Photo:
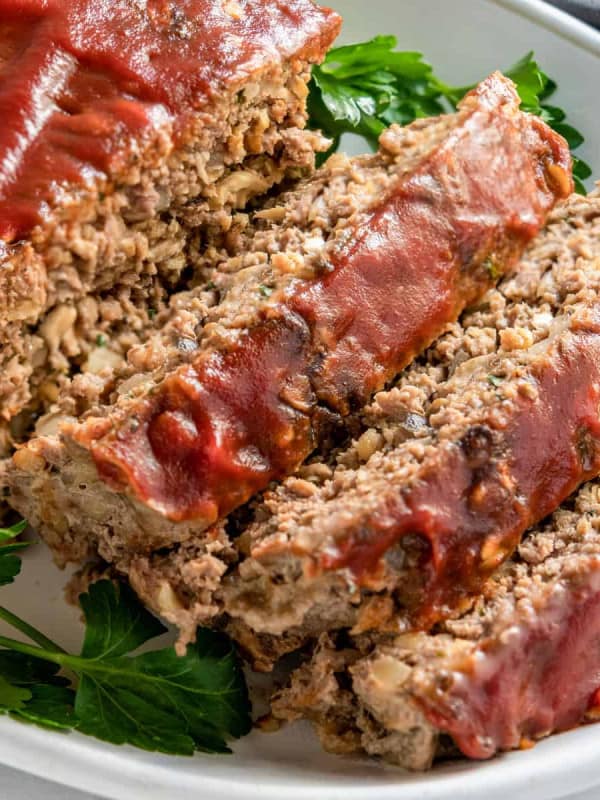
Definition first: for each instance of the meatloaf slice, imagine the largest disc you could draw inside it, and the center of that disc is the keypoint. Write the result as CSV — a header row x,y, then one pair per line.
x,y
126,125
479,440
522,664
310,322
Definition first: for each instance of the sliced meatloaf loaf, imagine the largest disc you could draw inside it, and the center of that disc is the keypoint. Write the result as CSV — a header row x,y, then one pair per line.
x,y
341,284
522,664
126,125
479,440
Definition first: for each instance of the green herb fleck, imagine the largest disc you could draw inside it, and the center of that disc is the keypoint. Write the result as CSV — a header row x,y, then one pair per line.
x,y
101,340
152,313
492,268
495,380
211,285
266,291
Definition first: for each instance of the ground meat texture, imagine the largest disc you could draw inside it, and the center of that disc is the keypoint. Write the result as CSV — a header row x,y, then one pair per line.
x,y
482,437
521,311
125,126
271,361
522,664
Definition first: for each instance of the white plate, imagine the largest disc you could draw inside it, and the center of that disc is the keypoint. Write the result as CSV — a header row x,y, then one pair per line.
x,y
464,39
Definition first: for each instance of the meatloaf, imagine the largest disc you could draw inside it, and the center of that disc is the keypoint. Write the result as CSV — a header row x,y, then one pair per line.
x,y
479,440
125,126
316,315
185,583
522,664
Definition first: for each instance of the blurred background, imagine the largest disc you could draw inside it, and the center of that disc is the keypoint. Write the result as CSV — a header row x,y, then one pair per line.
x,y
587,10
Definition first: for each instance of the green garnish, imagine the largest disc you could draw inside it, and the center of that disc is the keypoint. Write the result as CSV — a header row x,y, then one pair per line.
x,y
495,380
101,340
266,291
10,564
492,268
363,88
151,313
157,701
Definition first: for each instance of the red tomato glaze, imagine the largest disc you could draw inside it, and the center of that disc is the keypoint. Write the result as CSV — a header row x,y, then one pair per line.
x,y
492,487
82,80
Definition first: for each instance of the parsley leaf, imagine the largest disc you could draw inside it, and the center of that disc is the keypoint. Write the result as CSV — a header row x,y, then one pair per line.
x,y
10,564
50,706
363,88
12,697
116,622
23,670
44,695
157,700
160,701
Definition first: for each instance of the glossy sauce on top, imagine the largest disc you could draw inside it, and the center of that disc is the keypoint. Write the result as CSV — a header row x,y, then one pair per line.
x,y
81,80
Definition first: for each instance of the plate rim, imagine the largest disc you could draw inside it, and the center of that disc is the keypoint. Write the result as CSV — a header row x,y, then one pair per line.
x,y
110,772
557,21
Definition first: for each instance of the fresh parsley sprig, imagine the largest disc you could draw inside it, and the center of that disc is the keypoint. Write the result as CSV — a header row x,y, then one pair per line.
x,y
155,700
363,88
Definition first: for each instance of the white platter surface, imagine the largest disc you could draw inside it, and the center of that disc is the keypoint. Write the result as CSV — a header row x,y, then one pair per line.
x,y
464,39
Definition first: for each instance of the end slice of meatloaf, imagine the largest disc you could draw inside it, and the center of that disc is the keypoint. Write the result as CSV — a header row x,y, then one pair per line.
x,y
522,664
477,441
125,126
310,322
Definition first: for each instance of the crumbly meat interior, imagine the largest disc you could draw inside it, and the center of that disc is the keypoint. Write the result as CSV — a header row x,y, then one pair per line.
x,y
277,590
274,605
519,314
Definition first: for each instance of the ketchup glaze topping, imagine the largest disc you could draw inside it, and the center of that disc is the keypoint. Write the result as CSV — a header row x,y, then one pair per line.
x,y
83,81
